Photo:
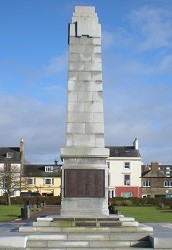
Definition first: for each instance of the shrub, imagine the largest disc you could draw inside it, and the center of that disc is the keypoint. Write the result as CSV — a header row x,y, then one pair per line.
x,y
3,200
118,203
147,201
49,200
126,203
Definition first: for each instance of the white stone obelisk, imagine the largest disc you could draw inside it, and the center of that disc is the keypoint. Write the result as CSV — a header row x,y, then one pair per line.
x,y
84,172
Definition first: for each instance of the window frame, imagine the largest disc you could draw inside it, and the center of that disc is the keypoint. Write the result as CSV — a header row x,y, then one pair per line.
x,y
169,183
127,194
9,155
127,180
51,181
49,168
146,183
33,181
125,165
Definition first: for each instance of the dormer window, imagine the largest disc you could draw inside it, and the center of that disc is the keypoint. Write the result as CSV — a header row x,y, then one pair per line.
x,y
48,168
9,155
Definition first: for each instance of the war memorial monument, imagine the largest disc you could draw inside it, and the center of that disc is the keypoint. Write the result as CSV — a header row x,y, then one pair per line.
x,y
84,222
84,171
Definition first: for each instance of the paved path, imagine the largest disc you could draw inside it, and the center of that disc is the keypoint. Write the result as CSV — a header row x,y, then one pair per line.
x,y
13,226
163,230
48,210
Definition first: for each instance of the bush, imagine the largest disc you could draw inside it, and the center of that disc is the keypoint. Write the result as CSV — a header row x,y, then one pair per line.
x,y
21,200
147,201
127,203
118,203
3,200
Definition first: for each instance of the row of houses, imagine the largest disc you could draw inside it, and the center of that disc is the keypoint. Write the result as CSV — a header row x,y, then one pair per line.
x,y
128,177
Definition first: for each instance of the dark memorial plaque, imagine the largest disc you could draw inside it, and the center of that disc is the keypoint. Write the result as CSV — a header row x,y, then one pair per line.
x,y
84,183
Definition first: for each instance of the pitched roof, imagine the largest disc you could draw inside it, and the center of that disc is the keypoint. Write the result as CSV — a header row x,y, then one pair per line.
x,y
14,151
162,171
38,170
123,151
153,174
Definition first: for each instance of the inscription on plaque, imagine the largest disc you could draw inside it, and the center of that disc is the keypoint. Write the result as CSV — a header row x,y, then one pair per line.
x,y
84,183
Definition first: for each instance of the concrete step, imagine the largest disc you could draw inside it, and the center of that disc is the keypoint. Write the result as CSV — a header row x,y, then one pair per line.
x,y
83,219
99,241
49,244
98,224
161,242
86,223
106,233
89,236
82,229
114,221
90,248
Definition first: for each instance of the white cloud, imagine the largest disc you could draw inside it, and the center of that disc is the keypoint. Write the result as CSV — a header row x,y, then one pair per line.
x,y
140,110
108,39
41,126
56,64
118,38
153,26
148,28
166,64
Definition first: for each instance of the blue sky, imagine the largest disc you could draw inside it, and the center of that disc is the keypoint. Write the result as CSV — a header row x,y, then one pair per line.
x,y
137,73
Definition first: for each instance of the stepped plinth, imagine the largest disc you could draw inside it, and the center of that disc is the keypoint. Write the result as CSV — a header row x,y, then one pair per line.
x,y
65,233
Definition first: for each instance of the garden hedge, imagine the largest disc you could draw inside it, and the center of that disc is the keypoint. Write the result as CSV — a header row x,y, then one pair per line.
x,y
134,201
117,201
48,200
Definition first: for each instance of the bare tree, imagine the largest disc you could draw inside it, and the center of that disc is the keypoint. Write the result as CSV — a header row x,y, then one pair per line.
x,y
9,179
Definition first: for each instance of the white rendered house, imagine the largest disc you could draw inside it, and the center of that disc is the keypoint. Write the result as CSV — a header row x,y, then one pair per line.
x,y
124,165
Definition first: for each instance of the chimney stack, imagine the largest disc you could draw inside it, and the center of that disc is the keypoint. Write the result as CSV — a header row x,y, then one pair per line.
x,y
154,166
56,162
136,144
22,150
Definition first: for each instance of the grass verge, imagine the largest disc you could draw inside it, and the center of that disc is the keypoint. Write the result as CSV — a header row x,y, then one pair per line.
x,y
147,214
9,213
141,214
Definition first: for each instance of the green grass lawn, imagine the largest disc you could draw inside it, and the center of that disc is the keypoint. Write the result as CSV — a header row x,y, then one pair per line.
x,y
147,214
9,213
141,214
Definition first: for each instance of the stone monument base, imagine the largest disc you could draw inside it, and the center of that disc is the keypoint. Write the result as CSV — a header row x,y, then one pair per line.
x,y
93,233
84,207
84,184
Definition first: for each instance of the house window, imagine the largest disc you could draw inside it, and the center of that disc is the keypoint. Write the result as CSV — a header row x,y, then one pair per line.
x,y
127,180
48,181
167,183
48,168
30,181
126,194
127,165
9,155
146,184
